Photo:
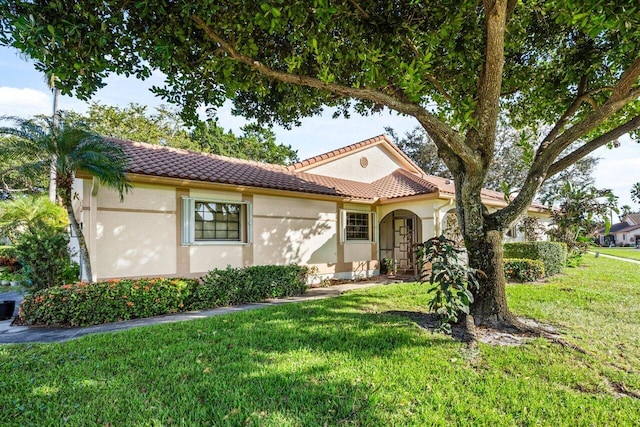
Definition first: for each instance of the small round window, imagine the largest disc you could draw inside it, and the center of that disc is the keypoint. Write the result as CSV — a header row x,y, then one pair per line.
x,y
364,162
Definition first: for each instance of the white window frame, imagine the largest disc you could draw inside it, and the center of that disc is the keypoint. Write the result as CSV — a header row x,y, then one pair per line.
x,y
373,226
189,226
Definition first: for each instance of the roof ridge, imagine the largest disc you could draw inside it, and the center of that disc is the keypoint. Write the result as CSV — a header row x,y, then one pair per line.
x,y
333,153
419,179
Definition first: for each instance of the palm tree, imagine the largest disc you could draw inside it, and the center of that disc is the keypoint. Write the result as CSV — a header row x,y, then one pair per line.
x,y
51,84
26,214
73,148
624,211
635,192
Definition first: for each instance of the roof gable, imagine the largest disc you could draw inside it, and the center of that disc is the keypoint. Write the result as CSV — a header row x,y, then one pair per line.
x,y
364,161
632,218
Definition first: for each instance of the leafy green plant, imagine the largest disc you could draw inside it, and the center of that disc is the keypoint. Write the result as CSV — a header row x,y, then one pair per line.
x,y
387,266
251,284
552,254
44,253
37,228
449,278
523,270
83,304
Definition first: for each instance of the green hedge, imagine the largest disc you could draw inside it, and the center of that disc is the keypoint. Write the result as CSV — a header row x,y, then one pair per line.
x,y
523,270
83,304
552,254
251,284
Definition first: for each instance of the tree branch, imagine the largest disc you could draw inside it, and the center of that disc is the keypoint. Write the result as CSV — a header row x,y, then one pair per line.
x,y
592,145
487,108
571,111
430,122
626,82
364,14
623,93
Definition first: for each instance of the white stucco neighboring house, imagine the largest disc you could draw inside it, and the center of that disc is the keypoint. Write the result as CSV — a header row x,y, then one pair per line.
x,y
340,212
624,233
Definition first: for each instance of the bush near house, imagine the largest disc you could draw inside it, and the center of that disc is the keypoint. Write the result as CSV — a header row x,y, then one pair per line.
x,y
552,254
84,304
523,270
250,284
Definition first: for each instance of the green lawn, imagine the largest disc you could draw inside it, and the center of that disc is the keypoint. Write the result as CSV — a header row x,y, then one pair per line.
x,y
632,253
345,361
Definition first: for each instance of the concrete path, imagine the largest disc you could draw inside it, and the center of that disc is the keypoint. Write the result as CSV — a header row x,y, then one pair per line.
x,y
25,334
634,261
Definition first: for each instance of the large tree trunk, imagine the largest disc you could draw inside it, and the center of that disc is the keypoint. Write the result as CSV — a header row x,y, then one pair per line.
x,y
490,303
483,241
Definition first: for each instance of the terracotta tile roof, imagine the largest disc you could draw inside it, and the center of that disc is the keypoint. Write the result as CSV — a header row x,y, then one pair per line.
x,y
159,161
402,184
155,160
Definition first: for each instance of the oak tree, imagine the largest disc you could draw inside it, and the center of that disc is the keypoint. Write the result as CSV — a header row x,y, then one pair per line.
x,y
456,66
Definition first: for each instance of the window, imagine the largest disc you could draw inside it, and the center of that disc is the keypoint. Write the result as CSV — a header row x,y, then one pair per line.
x,y
358,226
214,221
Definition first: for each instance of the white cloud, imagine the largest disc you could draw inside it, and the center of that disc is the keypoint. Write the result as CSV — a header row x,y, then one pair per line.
x,y
24,102
619,169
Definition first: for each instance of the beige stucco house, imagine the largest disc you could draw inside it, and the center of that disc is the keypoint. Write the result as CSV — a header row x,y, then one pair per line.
x,y
340,212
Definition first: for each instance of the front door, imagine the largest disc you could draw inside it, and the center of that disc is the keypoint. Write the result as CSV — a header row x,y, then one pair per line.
x,y
399,231
403,229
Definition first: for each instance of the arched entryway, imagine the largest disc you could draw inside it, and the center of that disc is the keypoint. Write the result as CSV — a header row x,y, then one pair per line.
x,y
399,232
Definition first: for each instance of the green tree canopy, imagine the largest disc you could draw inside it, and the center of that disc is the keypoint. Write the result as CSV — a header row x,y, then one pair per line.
x,y
164,126
456,66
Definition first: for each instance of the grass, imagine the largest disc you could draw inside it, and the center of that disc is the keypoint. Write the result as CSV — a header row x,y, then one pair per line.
x,y
632,253
345,361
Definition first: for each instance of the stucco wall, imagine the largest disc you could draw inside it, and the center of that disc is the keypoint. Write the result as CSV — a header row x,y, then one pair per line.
x,y
379,164
204,258
135,244
288,230
136,237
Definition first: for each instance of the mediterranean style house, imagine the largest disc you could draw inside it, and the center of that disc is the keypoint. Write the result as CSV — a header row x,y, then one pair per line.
x,y
340,212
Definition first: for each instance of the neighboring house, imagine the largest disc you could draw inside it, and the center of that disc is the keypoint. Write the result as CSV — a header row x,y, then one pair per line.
x,y
340,212
624,233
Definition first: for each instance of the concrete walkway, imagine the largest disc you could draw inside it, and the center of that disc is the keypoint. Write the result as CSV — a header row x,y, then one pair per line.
x,y
25,334
634,261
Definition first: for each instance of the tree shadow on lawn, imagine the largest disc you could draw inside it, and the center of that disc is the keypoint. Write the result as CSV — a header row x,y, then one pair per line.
x,y
303,364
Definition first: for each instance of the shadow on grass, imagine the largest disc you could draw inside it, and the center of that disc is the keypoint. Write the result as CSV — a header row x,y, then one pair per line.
x,y
304,364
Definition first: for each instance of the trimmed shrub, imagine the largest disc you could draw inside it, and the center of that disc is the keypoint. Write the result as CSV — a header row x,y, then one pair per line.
x,y
523,270
83,304
552,254
251,284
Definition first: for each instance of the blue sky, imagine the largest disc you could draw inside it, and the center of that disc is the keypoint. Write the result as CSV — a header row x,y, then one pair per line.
x,y
23,92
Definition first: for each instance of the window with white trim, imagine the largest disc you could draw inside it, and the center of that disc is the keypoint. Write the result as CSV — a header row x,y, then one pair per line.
x,y
215,221
358,226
